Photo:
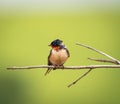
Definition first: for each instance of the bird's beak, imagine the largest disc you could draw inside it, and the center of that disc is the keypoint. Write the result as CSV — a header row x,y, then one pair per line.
x,y
49,45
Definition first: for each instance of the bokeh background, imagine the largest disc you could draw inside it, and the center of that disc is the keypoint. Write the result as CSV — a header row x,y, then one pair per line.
x,y
26,29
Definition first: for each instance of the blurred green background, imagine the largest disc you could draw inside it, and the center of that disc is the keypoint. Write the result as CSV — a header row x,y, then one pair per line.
x,y
24,39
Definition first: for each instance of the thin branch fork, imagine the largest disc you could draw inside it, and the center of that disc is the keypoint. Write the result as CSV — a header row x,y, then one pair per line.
x,y
112,59
80,77
90,67
103,60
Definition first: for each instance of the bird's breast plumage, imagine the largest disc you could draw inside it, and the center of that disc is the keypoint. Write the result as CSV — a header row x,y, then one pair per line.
x,y
58,57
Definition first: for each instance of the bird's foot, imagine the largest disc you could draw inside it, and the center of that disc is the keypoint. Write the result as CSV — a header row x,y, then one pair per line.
x,y
62,67
58,67
55,67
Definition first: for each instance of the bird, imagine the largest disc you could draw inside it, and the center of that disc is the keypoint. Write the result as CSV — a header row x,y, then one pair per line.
x,y
58,54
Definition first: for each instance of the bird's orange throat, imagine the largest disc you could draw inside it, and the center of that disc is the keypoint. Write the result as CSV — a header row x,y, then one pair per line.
x,y
56,48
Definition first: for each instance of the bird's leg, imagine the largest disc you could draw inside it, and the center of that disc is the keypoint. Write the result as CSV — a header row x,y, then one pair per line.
x,y
55,67
58,66
62,67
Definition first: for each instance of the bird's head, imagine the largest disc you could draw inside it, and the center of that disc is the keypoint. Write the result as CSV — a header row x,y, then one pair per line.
x,y
56,44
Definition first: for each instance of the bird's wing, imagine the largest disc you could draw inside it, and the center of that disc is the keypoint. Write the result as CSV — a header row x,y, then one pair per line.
x,y
67,52
49,63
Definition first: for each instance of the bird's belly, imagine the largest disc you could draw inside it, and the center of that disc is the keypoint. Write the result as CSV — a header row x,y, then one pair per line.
x,y
58,58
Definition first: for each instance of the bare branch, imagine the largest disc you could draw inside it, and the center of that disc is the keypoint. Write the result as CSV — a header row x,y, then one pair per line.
x,y
90,67
91,48
65,67
103,60
29,67
79,78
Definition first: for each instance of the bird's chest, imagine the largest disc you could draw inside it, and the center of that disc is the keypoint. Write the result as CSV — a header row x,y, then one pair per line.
x,y
58,57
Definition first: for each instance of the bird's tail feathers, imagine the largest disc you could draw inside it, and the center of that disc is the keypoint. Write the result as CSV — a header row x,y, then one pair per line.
x,y
48,71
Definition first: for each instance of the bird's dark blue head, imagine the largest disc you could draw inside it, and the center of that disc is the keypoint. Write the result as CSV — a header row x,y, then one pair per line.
x,y
56,43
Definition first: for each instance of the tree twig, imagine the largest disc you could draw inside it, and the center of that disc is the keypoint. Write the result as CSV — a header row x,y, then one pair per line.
x,y
90,67
103,60
65,67
80,78
100,52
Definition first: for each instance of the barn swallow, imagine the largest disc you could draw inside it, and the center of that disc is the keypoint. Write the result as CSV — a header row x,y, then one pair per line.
x,y
58,54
